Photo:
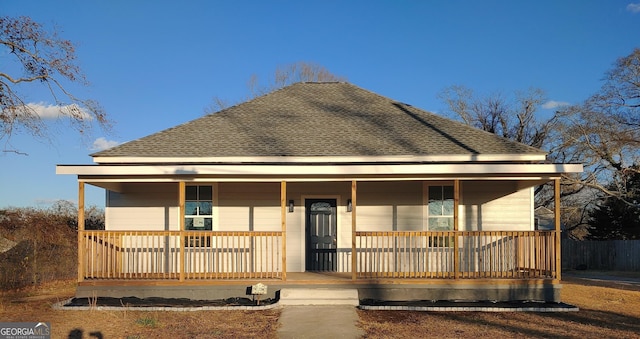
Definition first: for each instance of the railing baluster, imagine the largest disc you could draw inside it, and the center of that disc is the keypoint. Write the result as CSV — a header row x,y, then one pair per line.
x,y
155,254
483,254
101,245
256,255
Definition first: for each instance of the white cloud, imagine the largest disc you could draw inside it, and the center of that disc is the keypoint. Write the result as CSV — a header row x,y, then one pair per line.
x,y
102,144
45,111
551,104
633,8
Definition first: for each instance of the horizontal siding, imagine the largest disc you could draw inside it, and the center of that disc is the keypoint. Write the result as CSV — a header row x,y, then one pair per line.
x,y
143,207
381,206
390,206
249,207
341,191
494,206
410,218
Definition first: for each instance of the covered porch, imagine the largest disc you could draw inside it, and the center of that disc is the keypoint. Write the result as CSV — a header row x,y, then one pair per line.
x,y
219,257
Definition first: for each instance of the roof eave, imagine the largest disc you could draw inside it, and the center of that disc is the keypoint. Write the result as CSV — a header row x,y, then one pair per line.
x,y
440,158
311,170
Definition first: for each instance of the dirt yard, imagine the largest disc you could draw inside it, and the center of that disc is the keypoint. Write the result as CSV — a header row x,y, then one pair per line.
x,y
605,312
35,305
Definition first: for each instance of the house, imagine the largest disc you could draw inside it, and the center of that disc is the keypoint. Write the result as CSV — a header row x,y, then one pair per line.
x,y
321,184
544,219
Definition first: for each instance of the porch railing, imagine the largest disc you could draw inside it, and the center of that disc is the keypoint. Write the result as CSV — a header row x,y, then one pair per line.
x,y
480,254
180,255
190,255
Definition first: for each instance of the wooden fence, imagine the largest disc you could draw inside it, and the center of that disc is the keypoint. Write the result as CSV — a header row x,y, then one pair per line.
x,y
619,255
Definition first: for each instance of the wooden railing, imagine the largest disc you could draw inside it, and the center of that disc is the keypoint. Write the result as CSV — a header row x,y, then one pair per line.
x,y
190,255
180,255
504,254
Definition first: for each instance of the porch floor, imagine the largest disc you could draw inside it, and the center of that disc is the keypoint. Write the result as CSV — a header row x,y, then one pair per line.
x,y
293,278
311,277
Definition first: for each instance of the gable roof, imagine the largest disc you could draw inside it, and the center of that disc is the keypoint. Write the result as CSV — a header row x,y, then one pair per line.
x,y
319,120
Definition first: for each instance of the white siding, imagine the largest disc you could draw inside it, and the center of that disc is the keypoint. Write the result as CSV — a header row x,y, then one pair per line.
x,y
143,207
381,206
390,206
341,191
249,207
495,206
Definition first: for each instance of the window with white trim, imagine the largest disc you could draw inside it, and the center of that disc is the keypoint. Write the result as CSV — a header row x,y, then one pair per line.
x,y
198,211
440,208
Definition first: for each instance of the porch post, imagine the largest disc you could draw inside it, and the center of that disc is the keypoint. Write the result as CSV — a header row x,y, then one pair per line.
x,y
181,199
558,233
81,245
456,241
354,258
283,218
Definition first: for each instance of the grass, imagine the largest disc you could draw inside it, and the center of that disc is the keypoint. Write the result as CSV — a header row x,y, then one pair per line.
x,y
147,321
604,313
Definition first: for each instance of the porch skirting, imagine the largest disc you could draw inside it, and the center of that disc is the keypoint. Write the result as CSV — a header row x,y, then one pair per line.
x,y
390,290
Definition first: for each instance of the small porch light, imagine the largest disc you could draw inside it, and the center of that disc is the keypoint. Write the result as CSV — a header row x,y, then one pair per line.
x,y
349,205
290,206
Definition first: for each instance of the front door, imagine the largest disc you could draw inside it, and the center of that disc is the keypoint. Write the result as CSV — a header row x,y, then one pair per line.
x,y
321,234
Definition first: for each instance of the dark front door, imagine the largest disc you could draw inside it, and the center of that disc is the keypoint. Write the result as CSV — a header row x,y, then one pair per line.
x,y
321,229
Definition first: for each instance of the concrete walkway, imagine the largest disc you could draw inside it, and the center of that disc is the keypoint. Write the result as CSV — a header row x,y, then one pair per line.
x,y
319,321
319,313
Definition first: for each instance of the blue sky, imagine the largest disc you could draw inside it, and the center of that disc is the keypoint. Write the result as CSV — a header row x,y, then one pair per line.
x,y
155,64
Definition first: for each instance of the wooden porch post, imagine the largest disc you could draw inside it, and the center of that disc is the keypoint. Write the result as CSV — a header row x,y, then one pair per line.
x,y
354,258
181,199
81,245
283,218
456,244
557,227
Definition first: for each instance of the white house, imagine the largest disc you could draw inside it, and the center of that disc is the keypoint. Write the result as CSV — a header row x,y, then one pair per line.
x,y
323,181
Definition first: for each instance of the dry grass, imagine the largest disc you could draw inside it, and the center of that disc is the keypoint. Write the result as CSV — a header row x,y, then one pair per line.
x,y
604,313
35,305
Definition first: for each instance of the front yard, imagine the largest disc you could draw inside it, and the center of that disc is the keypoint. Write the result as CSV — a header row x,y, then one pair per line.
x,y
605,312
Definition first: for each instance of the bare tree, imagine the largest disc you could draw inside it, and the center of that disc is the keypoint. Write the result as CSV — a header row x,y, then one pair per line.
x,y
283,76
513,119
38,57
603,132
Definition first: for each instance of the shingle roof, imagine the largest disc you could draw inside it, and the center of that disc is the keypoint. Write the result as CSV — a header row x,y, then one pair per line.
x,y
318,119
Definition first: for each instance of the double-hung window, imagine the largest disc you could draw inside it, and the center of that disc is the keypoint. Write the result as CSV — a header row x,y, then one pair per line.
x,y
198,214
440,208
440,213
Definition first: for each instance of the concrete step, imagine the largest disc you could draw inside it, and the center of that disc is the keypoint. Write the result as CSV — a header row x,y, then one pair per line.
x,y
318,296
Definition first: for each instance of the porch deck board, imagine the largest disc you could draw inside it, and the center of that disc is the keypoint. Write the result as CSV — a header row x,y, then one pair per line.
x,y
317,278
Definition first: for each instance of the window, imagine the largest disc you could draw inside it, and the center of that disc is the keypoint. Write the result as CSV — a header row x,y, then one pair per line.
x,y
440,208
440,214
198,211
